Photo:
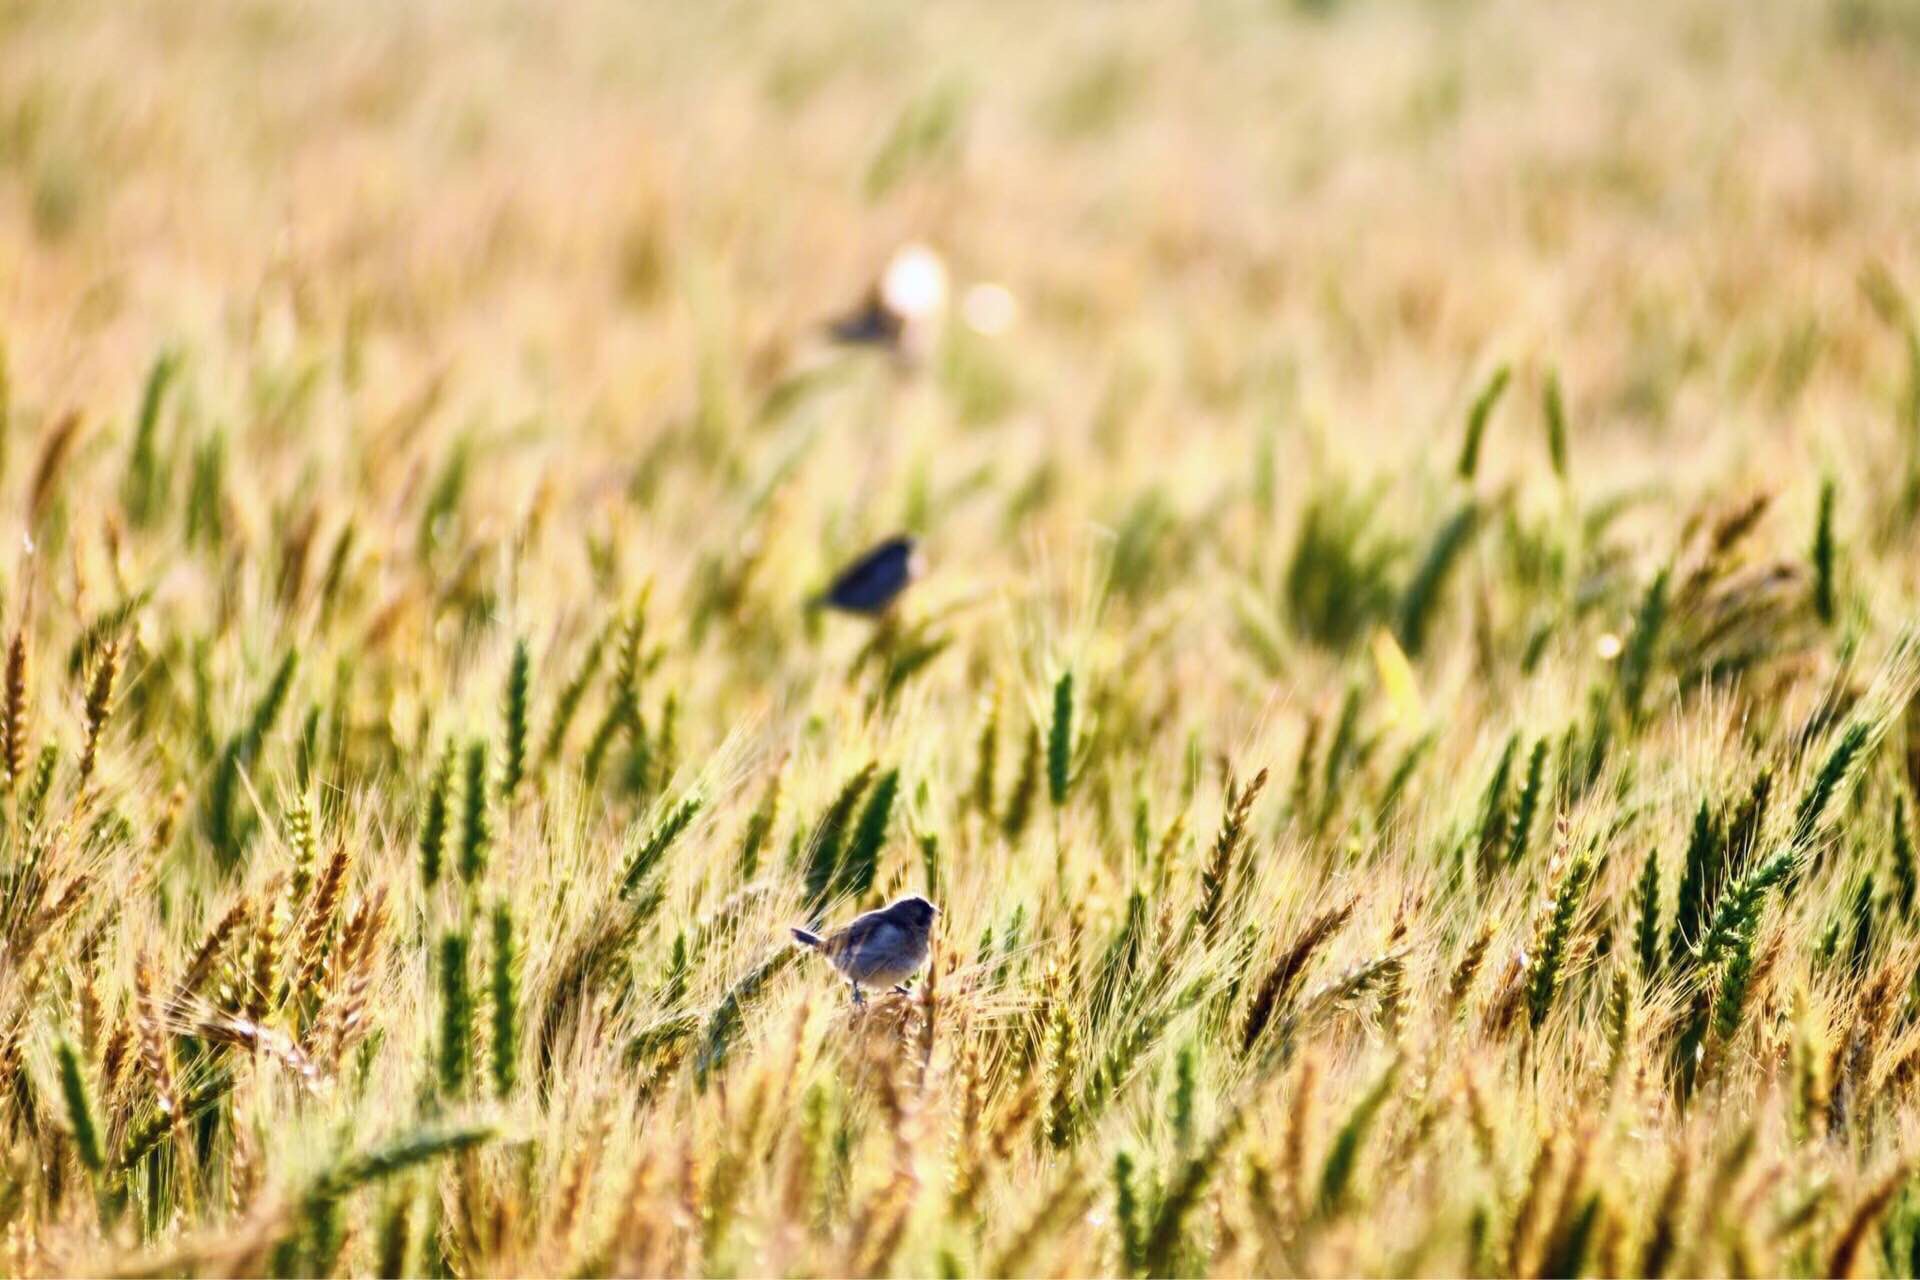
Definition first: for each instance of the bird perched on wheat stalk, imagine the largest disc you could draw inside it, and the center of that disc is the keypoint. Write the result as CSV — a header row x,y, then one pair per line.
x,y
881,948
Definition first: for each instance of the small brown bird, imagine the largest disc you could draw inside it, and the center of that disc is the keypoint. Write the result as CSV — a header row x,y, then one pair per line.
x,y
881,948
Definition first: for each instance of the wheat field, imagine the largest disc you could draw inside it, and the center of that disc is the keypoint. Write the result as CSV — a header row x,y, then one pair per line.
x,y
1410,717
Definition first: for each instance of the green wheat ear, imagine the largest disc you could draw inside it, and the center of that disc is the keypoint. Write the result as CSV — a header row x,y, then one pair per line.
x,y
395,1247
1905,879
1823,555
987,757
1019,809
442,508
647,857
334,578
861,862
1700,874
729,1016
673,987
1494,817
1060,1068
407,1152
1110,978
1528,803
504,994
1647,918
1738,912
929,842
1479,413
1422,595
1180,1113
760,829
1642,648
1344,751
1864,906
1126,1216
1730,1002
516,715
830,836
144,490
80,1113
229,830
1060,741
567,706
434,809
456,1014
306,758
1343,1155
33,800
1189,1183
1555,411
1550,949
654,765
1567,1248
475,829
1827,781
205,525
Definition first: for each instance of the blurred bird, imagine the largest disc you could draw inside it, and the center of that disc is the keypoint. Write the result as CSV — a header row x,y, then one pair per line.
x,y
879,949
901,312
872,583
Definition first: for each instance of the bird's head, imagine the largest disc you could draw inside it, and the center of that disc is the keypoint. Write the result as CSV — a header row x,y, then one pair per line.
x,y
915,911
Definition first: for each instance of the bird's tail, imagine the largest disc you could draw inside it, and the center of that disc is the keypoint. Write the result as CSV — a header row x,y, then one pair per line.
x,y
809,939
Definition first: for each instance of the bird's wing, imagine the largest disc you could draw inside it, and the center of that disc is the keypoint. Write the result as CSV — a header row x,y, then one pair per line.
x,y
860,932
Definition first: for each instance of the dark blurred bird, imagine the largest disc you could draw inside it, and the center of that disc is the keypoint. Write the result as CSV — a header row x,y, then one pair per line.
x,y
872,583
879,949
902,310
873,325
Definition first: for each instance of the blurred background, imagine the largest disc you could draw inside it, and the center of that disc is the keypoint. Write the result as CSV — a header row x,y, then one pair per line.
x,y
1322,210
586,239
